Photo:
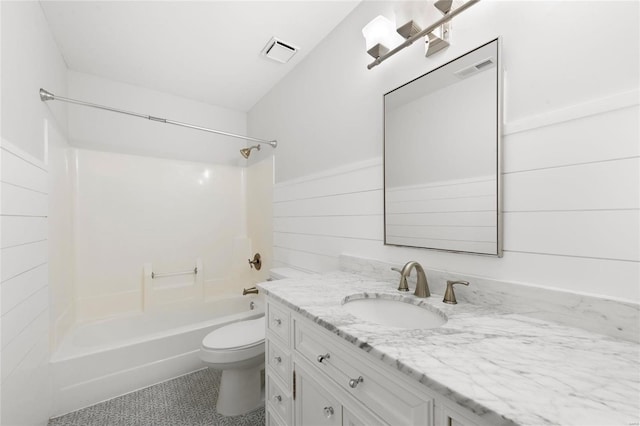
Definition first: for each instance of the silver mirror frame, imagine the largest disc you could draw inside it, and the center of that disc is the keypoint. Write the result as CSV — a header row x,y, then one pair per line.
x,y
499,130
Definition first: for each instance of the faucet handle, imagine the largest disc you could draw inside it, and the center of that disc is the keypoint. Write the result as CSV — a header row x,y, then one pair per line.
x,y
403,286
256,262
449,295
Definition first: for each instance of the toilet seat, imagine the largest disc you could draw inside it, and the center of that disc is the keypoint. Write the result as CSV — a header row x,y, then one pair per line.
x,y
236,336
235,345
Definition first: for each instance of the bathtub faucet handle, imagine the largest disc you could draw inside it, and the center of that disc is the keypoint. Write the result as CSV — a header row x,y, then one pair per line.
x,y
257,262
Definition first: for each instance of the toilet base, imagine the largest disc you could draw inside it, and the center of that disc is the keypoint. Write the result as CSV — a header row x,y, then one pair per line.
x,y
240,391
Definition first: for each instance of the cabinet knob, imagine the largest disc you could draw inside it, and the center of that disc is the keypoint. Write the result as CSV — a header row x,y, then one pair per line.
x,y
328,411
277,399
353,383
277,360
277,322
323,357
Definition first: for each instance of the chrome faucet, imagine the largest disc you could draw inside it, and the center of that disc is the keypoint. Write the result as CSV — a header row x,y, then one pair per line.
x,y
422,286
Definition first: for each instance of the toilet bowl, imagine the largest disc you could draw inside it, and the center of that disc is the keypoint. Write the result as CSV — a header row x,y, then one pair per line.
x,y
238,350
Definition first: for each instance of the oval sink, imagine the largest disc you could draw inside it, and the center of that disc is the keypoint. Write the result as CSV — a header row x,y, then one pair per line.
x,y
393,313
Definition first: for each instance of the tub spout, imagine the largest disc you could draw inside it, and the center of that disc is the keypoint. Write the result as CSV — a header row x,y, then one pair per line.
x,y
250,290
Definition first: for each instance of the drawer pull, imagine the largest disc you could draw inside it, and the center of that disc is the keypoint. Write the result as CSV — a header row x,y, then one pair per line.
x,y
277,322
277,399
328,412
323,357
353,383
277,360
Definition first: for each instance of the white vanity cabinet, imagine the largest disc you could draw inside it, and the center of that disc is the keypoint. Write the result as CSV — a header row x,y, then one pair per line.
x,y
316,378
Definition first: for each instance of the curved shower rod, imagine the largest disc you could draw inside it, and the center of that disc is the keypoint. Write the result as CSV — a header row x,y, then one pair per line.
x,y
48,96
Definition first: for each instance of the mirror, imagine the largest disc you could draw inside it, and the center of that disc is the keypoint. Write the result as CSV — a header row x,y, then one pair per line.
x,y
442,157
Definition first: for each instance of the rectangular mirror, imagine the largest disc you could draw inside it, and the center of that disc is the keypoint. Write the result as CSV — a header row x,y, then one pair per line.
x,y
442,183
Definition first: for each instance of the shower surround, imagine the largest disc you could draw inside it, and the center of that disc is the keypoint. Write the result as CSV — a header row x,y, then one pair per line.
x,y
131,210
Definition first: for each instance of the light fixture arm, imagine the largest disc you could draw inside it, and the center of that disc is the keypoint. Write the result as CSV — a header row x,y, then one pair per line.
x,y
408,42
48,96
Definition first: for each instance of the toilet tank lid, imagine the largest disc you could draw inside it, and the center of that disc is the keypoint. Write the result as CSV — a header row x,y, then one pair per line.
x,y
283,273
237,335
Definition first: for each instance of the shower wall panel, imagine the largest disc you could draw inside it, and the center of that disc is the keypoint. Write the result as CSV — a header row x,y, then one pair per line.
x,y
131,210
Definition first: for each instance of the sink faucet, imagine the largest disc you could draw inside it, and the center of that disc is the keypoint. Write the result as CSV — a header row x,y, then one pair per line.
x,y
449,295
422,286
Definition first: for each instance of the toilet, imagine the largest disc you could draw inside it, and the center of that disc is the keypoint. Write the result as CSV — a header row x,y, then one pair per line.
x,y
238,350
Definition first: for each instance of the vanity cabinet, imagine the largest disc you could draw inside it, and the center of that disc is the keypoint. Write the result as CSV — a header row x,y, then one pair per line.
x,y
316,378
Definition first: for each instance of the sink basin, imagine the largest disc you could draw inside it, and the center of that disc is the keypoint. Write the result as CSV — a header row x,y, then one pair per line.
x,y
393,312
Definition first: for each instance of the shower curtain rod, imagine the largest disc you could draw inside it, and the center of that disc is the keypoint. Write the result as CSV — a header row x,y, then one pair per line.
x,y
48,96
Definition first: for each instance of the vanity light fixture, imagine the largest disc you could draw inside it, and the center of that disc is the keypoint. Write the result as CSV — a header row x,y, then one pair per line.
x,y
436,35
410,17
380,36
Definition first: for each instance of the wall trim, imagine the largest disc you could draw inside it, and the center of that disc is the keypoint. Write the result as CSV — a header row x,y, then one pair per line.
x,y
573,112
13,149
340,170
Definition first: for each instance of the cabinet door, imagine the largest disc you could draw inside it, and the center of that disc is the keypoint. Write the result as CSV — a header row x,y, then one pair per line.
x,y
314,404
359,418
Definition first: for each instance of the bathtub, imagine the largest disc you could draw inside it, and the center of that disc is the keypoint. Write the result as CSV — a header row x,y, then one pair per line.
x,y
103,359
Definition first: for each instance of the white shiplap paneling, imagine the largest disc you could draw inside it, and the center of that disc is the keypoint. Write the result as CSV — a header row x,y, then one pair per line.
x,y
571,197
17,289
22,170
23,343
24,282
18,230
21,258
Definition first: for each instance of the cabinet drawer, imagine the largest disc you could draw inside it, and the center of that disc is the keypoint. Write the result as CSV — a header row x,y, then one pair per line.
x,y
278,322
383,394
278,400
279,361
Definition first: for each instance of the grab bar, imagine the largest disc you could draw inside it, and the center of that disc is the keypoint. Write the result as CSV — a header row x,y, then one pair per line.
x,y
171,274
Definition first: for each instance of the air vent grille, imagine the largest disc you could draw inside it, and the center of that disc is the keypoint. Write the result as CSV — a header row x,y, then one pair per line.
x,y
475,68
279,51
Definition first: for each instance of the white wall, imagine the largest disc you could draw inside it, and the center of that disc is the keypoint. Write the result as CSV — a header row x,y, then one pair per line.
x,y
106,131
26,393
130,210
30,60
571,168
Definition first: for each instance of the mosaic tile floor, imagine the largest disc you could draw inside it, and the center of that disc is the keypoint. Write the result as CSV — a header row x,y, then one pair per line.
x,y
186,401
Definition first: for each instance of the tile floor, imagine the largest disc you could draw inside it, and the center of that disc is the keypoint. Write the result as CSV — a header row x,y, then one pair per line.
x,y
185,401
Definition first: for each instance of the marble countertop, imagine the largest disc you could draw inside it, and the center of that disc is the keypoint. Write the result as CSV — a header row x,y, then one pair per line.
x,y
504,367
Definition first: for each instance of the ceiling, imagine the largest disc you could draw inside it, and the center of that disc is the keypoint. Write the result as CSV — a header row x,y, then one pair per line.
x,y
207,50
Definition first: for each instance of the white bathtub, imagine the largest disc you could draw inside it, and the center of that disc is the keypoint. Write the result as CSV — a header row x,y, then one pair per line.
x,y
104,359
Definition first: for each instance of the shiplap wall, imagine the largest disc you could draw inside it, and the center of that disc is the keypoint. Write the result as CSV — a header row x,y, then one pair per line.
x,y
24,288
571,206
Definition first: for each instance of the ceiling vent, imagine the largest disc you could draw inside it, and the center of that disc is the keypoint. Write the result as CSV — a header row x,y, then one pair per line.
x,y
475,68
279,51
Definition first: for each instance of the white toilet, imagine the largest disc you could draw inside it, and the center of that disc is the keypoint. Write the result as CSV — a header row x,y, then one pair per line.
x,y
238,350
